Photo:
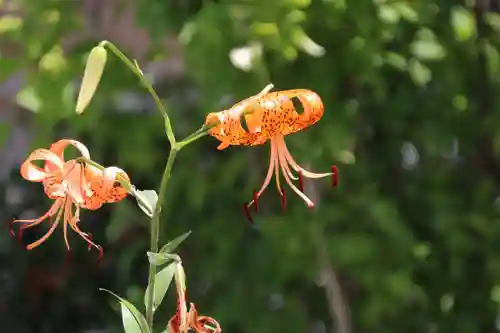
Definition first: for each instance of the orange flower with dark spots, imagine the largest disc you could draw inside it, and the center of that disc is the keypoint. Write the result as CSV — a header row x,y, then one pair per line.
x,y
73,186
270,117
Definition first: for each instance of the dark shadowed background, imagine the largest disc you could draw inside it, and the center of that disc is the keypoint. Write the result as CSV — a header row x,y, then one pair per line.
x,y
408,242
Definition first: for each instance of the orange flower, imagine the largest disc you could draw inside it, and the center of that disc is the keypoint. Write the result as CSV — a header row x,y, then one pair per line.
x,y
72,185
270,117
183,321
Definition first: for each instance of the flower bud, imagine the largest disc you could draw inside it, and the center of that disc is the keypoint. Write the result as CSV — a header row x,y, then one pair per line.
x,y
91,77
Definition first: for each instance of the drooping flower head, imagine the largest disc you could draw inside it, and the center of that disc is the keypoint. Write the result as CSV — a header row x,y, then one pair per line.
x,y
270,117
72,185
185,320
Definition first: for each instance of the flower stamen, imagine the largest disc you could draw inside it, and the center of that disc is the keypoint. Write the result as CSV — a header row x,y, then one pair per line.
x,y
283,198
335,176
246,209
301,181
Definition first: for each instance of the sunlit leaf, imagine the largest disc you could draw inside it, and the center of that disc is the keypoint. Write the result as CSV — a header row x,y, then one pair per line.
x,y
163,280
304,42
53,61
406,11
133,320
429,49
463,23
388,14
492,59
396,60
29,99
420,73
10,23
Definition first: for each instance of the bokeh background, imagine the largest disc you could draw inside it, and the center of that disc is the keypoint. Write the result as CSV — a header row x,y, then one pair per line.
x,y
408,242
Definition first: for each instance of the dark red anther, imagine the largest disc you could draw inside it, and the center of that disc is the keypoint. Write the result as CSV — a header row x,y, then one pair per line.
x,y
101,253
89,236
283,198
247,213
335,175
301,181
11,228
68,257
256,200
20,236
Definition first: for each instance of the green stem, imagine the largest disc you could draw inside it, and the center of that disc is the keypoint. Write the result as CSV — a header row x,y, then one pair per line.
x,y
155,233
134,67
191,139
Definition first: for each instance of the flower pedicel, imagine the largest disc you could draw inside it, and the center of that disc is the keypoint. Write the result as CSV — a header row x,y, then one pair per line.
x,y
270,117
73,186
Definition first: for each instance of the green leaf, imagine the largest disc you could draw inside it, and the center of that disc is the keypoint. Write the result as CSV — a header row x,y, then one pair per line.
x,y
159,259
406,12
492,59
396,60
428,49
388,14
463,23
10,23
173,244
420,74
133,320
162,282
149,197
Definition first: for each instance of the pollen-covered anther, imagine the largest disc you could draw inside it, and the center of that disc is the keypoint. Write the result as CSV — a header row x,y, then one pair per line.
x,y
335,175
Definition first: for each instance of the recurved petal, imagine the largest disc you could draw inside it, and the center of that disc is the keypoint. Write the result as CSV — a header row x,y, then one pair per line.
x,y
202,324
31,172
60,146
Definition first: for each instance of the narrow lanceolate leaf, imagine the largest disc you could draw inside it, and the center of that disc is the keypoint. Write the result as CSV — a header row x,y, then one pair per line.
x,y
162,282
91,77
133,320
173,244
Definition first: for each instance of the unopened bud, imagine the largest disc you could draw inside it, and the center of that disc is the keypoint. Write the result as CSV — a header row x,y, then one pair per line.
x,y
91,77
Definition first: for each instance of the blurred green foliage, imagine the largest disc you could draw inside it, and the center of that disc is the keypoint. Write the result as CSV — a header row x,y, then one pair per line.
x,y
412,120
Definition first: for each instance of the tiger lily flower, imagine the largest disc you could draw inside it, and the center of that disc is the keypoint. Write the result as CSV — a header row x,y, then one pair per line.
x,y
270,117
185,321
72,185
